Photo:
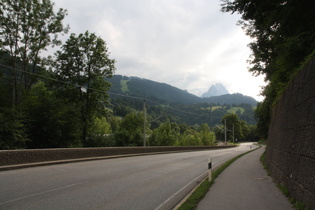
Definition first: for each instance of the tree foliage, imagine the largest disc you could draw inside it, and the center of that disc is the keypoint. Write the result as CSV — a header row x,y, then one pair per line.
x,y
26,29
64,107
84,61
233,124
236,129
130,132
172,134
51,121
190,114
283,35
165,135
12,130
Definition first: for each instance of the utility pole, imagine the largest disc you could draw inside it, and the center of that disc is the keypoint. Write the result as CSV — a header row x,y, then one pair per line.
x,y
233,132
144,119
225,130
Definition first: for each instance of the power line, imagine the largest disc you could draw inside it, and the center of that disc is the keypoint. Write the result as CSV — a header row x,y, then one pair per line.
x,y
111,93
68,83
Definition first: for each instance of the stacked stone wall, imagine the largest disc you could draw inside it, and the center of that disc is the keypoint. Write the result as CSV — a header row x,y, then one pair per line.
x,y
10,159
290,153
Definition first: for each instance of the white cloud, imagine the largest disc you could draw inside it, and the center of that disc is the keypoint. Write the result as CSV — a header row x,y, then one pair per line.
x,y
187,44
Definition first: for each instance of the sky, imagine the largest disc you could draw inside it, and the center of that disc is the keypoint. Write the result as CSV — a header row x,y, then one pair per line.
x,y
189,44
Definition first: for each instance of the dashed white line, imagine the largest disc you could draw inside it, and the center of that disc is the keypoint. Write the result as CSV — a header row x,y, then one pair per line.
x,y
41,193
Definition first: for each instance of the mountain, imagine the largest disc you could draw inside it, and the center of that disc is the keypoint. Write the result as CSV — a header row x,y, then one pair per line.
x,y
155,91
215,90
166,94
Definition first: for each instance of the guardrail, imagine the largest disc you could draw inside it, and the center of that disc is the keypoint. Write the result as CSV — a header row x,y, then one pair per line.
x,y
11,159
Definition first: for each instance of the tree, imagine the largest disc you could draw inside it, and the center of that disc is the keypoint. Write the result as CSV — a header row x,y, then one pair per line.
x,y
5,83
101,135
84,62
26,29
130,132
207,137
284,36
251,134
12,130
232,120
165,135
219,132
283,32
50,120
189,138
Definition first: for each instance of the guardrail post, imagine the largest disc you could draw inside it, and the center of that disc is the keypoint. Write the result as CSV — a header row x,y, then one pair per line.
x,y
210,170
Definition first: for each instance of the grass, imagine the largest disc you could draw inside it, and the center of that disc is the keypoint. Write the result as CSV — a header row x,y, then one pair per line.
x,y
124,86
212,108
233,110
215,107
262,160
296,204
201,191
262,142
230,110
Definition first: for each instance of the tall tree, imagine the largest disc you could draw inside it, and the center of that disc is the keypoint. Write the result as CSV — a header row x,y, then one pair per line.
x,y
130,132
233,124
283,33
27,28
12,129
51,122
84,62
207,137
165,135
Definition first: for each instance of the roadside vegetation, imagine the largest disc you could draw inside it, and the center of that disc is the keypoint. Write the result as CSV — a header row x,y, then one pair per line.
x,y
283,39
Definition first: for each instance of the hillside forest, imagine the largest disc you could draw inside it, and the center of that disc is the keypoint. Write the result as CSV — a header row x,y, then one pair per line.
x,y
64,100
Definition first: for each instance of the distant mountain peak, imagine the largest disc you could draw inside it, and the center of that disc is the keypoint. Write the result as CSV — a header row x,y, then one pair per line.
x,y
215,90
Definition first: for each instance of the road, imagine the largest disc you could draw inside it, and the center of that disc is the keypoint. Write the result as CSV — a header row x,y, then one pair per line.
x,y
142,182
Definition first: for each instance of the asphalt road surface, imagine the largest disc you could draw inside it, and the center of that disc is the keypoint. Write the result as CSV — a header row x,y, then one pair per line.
x,y
142,182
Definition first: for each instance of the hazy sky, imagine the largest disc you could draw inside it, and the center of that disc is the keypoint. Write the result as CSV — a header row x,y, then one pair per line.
x,y
188,44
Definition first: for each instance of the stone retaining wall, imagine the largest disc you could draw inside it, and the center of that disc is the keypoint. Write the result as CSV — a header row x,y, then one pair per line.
x,y
290,153
17,157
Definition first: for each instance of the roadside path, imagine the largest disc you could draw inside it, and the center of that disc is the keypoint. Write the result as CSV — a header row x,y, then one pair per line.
x,y
245,185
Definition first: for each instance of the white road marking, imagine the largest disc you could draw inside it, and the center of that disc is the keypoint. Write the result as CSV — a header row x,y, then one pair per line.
x,y
166,201
41,193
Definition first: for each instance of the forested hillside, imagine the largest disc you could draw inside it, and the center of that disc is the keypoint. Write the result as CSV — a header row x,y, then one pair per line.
x,y
191,114
160,92
236,98
167,102
166,94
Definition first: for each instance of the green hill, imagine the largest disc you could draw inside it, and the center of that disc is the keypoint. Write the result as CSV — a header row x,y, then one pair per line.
x,y
159,92
164,101
166,94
